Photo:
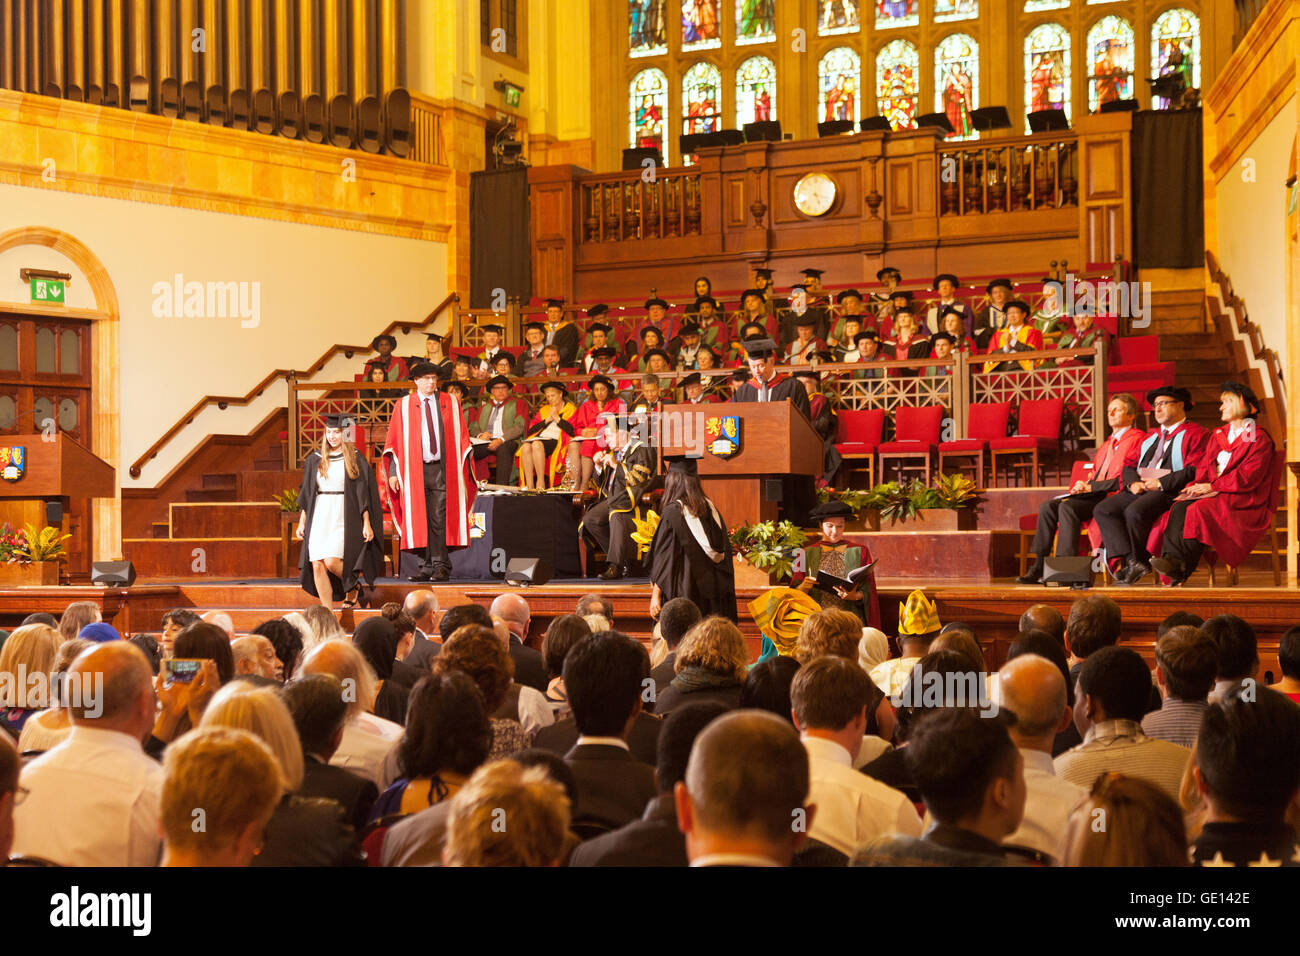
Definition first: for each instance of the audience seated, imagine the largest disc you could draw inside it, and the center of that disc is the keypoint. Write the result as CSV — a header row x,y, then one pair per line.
x,y
831,697
676,618
1045,618
94,800
50,727
421,606
8,796
367,739
286,643
320,715
514,610
376,639
1040,643
26,662
711,664
1238,653
971,777
254,654
302,831
563,632
767,687
1247,770
1288,658
1144,826
1186,661
534,806
232,778
76,616
918,625
1032,688
654,839
604,675
478,652
404,675
1113,688
744,800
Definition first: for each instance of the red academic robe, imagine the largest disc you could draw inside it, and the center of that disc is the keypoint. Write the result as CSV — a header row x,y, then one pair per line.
x,y
588,416
1124,453
405,446
1233,521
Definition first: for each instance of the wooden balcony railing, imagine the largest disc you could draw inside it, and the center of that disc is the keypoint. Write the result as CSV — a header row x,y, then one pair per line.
x,y
623,206
1024,174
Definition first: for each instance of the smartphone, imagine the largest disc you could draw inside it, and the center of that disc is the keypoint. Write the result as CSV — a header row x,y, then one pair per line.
x,y
180,670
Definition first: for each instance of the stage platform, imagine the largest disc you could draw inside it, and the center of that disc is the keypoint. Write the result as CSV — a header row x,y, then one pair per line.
x,y
991,608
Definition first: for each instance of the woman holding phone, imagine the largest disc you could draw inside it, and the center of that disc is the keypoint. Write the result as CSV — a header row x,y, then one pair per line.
x,y
339,511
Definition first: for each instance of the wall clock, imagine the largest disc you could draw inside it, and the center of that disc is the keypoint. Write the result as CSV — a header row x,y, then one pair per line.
x,y
814,194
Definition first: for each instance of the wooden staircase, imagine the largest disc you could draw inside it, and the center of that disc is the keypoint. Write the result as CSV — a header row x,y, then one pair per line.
x,y
214,517
1201,360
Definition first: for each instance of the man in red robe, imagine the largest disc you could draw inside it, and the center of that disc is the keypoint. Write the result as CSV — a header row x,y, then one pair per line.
x,y
430,486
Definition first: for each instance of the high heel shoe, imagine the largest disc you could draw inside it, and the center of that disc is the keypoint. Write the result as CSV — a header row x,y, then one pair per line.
x,y
350,602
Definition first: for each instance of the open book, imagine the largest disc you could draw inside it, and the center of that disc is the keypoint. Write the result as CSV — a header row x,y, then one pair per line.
x,y
829,582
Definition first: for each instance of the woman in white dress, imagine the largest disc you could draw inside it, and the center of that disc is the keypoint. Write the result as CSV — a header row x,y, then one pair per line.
x,y
338,499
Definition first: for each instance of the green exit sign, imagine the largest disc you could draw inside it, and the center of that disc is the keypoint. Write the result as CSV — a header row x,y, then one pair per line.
x,y
47,290
512,95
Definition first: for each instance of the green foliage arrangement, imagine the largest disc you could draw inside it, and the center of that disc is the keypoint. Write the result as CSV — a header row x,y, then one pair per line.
x,y
769,546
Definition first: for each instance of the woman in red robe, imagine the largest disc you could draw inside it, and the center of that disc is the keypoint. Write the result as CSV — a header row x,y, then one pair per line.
x,y
1231,501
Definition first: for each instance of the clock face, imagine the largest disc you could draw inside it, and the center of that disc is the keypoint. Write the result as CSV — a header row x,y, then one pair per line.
x,y
814,194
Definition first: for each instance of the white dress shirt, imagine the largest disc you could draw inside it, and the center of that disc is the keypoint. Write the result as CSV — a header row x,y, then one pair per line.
x,y
585,741
94,800
431,452
535,711
852,808
1221,459
732,859
1049,801
367,742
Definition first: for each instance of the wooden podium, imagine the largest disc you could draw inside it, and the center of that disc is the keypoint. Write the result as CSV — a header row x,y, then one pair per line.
x,y
55,469
776,441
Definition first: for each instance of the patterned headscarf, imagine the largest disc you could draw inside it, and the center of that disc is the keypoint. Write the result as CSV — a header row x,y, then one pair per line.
x,y
779,613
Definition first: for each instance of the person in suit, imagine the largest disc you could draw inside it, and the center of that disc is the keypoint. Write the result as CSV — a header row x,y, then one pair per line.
x,y
993,316
654,839
483,361
1071,512
946,284
514,611
604,675
642,739
422,607
1166,465
502,419
561,332
676,617
319,712
1230,502
530,361
746,780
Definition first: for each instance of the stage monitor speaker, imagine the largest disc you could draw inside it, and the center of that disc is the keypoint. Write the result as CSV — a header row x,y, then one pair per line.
x,y
528,571
635,157
1048,121
835,127
112,574
54,511
1119,106
773,489
766,130
873,123
1075,572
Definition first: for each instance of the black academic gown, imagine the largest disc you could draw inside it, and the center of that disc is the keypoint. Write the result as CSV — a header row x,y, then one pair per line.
x,y
681,568
361,559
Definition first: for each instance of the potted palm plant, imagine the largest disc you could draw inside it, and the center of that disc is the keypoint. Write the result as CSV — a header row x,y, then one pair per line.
x,y
945,505
765,552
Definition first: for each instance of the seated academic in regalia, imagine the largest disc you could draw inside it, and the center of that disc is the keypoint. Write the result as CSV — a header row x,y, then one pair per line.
x,y
395,368
946,285
834,555
766,383
561,332
491,349
690,554
1017,336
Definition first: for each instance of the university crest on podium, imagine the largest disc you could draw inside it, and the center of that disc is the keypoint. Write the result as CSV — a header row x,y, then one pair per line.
x,y
722,434
13,461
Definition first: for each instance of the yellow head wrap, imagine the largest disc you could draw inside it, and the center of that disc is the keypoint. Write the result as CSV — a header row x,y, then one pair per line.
x,y
779,613
919,615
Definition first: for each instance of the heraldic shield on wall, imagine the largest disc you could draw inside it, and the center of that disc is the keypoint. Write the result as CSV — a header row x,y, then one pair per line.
x,y
13,461
723,435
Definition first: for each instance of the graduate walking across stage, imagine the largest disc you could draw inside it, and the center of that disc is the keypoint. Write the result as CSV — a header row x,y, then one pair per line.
x,y
429,481
339,513
690,555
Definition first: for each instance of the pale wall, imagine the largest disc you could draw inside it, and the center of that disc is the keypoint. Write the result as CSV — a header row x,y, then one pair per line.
x,y
319,286
1252,226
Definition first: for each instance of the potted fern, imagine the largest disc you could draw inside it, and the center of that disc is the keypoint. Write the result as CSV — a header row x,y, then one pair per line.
x,y
31,557
944,506
765,552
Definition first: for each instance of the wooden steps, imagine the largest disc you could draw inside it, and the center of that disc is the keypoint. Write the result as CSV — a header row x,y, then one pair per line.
x,y
174,559
234,519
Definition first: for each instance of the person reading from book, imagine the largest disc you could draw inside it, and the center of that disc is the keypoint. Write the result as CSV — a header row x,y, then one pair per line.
x,y
835,573
1230,502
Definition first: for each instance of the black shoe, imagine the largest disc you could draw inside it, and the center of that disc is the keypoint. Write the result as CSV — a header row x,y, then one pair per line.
x,y
1170,568
1132,572
1035,573
440,574
611,573
422,576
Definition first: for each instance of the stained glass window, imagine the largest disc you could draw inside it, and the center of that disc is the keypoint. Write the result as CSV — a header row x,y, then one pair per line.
x,y
702,99
837,16
898,71
701,29
755,21
1033,6
648,110
1110,61
755,91
647,27
957,82
1177,35
840,96
1047,69
897,13
956,10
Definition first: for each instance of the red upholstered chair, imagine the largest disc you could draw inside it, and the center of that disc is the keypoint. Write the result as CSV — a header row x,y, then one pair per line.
x,y
1037,437
916,436
985,421
1136,350
857,436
